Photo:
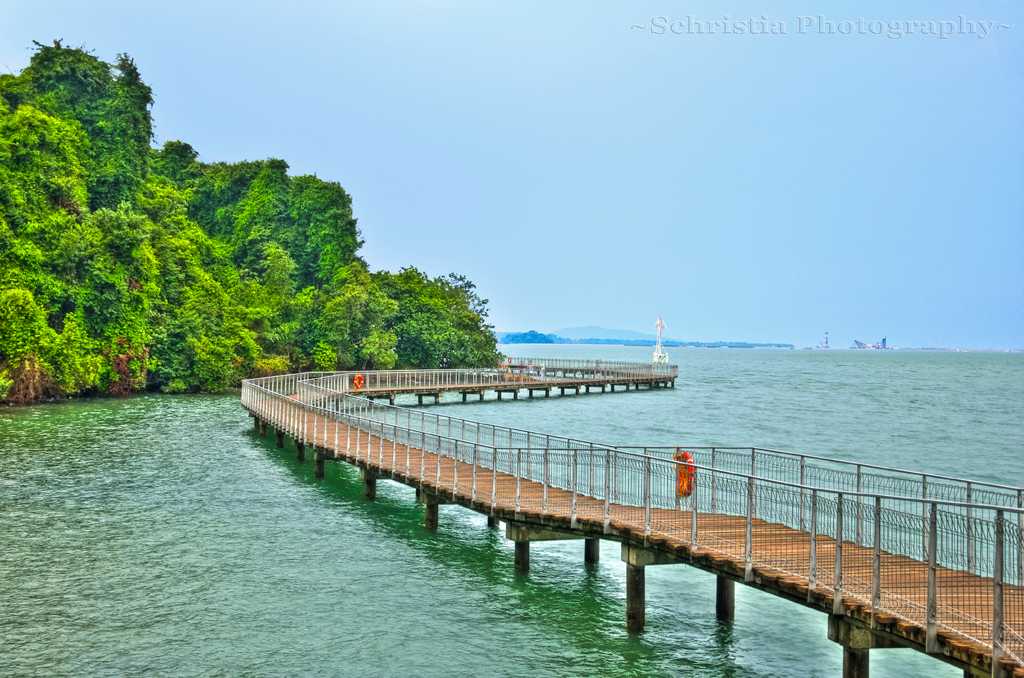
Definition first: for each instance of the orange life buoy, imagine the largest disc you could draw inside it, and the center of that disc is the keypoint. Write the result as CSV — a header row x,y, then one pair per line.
x,y
358,381
686,469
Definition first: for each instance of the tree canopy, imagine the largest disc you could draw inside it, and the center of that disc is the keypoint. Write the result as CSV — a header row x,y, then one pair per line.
x,y
125,267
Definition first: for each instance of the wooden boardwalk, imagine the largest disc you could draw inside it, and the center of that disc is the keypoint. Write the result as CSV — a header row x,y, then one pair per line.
x,y
875,598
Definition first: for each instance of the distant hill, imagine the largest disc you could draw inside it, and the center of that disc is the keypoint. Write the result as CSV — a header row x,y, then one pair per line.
x,y
531,337
534,337
591,331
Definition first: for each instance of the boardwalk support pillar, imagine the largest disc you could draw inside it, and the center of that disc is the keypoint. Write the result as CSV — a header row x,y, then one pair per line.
x,y
725,599
855,663
319,469
279,434
635,598
857,641
636,559
430,502
300,450
369,484
523,534
522,557
591,550
492,521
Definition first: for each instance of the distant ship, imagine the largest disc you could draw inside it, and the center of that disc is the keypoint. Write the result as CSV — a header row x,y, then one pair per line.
x,y
880,346
824,343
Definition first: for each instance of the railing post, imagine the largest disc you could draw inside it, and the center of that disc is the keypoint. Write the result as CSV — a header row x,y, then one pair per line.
x,y
519,465
859,518
647,495
437,466
607,488
997,594
590,471
969,529
545,500
494,477
693,515
753,473
803,493
572,512
932,607
455,470
714,483
812,574
924,517
394,445
748,538
837,576
423,458
476,451
876,560
1020,542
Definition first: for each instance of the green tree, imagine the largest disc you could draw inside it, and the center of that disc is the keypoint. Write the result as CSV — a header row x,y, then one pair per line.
x,y
124,267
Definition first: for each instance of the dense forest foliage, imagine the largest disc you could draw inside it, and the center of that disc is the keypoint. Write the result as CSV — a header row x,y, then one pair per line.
x,y
124,267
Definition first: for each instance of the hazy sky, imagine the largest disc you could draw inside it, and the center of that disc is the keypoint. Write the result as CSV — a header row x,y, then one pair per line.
x,y
601,163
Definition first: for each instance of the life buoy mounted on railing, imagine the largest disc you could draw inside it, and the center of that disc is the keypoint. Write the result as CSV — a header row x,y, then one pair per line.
x,y
686,471
358,382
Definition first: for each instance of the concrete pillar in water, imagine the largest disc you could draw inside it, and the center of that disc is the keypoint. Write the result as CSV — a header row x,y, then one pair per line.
x,y
430,515
635,603
300,450
636,559
725,599
280,437
430,504
591,550
369,484
522,534
522,557
319,470
857,642
855,663
492,521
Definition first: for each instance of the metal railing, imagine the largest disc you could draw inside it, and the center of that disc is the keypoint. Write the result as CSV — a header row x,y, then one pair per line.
x,y
954,567
512,373
843,475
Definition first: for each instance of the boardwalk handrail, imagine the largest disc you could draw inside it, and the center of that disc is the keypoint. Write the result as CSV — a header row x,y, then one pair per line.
x,y
837,474
513,372
953,568
847,476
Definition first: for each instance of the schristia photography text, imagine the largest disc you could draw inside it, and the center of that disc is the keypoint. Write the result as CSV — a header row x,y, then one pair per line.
x,y
942,29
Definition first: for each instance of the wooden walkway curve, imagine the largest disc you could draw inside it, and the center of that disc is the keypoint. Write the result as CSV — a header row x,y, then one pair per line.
x,y
875,592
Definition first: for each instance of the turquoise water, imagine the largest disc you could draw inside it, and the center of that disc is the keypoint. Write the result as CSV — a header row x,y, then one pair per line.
x,y
158,535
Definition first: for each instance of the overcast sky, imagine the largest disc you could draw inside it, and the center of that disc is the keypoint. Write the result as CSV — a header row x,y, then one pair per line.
x,y
599,163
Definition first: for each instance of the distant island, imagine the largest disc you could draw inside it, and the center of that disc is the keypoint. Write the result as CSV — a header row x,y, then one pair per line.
x,y
534,337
